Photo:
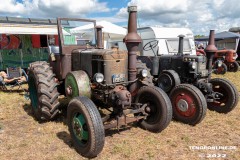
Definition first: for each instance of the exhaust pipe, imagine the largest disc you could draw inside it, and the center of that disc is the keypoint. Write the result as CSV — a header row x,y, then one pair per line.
x,y
180,45
210,51
132,41
99,37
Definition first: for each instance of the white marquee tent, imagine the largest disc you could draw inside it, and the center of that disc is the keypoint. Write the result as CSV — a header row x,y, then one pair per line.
x,y
111,32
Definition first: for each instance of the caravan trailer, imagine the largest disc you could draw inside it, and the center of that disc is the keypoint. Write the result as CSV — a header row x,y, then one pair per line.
x,y
163,41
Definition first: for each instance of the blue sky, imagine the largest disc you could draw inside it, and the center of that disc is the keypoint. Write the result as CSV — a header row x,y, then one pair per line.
x,y
199,16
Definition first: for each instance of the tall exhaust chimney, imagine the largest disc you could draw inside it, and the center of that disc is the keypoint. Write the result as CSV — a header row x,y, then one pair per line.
x,y
180,45
99,37
210,51
132,41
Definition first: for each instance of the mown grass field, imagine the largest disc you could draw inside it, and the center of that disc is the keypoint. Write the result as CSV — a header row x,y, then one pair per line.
x,y
23,138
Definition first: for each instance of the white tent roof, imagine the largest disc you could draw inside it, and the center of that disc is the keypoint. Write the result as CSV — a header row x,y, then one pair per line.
x,y
28,29
110,30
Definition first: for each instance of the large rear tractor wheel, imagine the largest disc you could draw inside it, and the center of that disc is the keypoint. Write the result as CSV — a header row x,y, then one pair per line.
x,y
228,97
43,91
159,108
85,126
233,67
189,104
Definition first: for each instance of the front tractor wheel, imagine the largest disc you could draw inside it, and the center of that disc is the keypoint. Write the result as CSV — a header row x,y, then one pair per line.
x,y
233,67
189,104
85,126
227,96
43,91
167,80
158,108
220,70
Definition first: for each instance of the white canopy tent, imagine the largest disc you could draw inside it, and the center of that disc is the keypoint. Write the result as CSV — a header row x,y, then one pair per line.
x,y
28,29
111,32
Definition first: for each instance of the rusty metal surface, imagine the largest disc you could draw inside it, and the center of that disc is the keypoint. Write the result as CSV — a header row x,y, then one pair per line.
x,y
61,66
120,97
227,55
132,41
99,37
210,51
123,120
77,83
211,48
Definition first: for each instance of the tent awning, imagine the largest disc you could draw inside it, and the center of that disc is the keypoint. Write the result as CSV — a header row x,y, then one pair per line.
x,y
28,29
110,30
221,36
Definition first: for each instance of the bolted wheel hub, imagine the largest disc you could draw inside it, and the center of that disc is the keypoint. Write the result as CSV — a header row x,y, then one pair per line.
x,y
79,128
147,109
182,105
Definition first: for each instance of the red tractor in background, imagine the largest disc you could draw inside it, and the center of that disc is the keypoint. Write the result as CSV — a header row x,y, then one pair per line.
x,y
223,61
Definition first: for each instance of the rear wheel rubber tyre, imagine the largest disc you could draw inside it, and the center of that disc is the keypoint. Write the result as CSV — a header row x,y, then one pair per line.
x,y
233,67
88,135
160,108
229,99
167,80
189,104
220,70
43,91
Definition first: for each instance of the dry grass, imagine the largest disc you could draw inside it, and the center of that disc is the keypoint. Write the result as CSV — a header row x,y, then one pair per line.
x,y
22,137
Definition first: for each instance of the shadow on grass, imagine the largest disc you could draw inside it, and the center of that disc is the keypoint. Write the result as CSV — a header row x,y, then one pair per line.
x,y
112,131
28,109
65,137
13,91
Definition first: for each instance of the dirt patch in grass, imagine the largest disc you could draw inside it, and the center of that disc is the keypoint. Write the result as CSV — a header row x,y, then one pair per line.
x,y
22,137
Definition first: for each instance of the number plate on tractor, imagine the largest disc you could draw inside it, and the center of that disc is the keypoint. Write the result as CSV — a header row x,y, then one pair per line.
x,y
118,78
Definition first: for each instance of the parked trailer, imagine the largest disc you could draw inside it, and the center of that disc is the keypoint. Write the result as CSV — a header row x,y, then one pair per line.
x,y
164,40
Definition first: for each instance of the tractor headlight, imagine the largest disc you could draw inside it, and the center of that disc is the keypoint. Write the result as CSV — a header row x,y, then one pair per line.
x,y
144,73
235,56
98,77
219,63
193,65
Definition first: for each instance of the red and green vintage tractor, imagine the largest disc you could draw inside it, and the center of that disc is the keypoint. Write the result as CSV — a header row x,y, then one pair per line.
x,y
104,88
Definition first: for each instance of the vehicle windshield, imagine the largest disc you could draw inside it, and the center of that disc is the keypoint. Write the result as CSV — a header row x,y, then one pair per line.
x,y
172,45
78,32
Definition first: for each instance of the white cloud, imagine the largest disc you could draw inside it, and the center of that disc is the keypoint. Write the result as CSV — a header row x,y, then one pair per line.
x,y
52,8
11,6
200,16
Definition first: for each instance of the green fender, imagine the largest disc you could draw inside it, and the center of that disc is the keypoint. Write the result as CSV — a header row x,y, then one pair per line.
x,y
77,83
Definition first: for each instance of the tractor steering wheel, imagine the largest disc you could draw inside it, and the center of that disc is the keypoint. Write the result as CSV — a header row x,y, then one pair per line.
x,y
150,45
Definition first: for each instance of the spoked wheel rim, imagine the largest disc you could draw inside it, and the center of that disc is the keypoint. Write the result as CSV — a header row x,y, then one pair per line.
x,y
184,104
80,129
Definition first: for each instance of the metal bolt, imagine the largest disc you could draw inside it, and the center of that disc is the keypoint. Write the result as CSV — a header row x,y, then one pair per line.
x,y
148,109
